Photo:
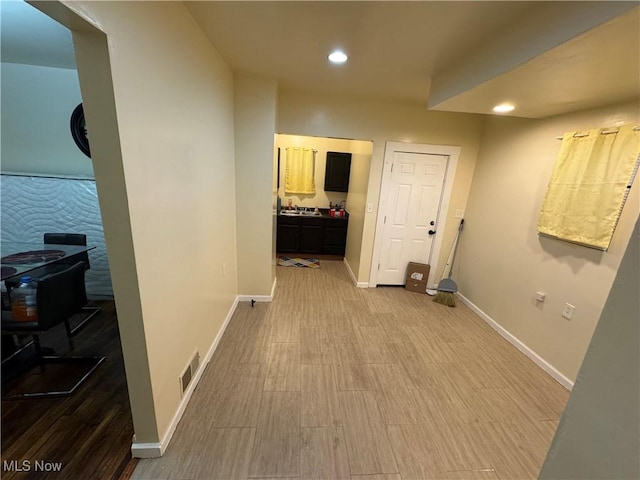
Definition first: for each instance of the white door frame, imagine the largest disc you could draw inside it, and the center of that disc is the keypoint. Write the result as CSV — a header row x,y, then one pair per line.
x,y
452,152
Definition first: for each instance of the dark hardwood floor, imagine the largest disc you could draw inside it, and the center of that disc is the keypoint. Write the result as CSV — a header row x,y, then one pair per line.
x,y
85,435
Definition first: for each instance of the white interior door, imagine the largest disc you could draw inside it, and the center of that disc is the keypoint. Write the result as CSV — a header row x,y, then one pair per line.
x,y
413,199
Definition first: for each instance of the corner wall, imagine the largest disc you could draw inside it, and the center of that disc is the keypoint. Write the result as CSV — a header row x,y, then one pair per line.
x,y
502,260
255,122
599,432
166,182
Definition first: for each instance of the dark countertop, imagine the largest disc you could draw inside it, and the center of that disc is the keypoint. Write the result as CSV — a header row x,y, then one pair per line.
x,y
324,213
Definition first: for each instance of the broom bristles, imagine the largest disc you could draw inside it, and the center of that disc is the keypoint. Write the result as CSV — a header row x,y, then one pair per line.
x,y
445,298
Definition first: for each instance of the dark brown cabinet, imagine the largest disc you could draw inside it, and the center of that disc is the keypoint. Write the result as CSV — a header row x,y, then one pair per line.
x,y
288,235
312,235
335,237
337,172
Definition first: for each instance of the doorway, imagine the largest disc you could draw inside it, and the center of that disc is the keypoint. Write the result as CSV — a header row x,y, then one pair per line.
x,y
343,242
417,181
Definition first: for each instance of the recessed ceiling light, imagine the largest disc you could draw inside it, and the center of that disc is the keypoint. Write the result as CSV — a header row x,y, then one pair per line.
x,y
338,56
503,108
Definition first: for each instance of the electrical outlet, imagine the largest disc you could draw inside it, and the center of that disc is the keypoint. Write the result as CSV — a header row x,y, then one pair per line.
x,y
540,296
567,311
459,213
369,207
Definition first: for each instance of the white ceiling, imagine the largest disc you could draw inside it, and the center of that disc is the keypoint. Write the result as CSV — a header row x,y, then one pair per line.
x,y
545,57
394,47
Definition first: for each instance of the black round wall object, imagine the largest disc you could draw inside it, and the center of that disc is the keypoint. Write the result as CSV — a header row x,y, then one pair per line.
x,y
79,130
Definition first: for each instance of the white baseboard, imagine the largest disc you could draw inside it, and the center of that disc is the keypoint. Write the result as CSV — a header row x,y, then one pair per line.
x,y
260,298
153,450
542,363
353,277
257,298
146,450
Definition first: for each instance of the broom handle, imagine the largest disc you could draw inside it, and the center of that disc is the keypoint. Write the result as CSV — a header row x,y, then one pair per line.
x,y
455,247
448,262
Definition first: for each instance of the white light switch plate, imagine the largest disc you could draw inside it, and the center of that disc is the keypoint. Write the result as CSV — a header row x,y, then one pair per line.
x,y
567,311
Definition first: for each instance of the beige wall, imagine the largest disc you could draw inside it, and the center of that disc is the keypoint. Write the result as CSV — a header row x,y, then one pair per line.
x,y
503,261
166,205
302,113
322,145
599,432
167,190
92,52
255,121
357,200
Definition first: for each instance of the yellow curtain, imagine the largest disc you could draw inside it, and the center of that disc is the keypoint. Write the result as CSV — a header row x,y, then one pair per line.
x,y
589,185
299,171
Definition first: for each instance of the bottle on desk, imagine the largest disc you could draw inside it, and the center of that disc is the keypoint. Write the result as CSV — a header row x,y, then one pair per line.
x,y
24,307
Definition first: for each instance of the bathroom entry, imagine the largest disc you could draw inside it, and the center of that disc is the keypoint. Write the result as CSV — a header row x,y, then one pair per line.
x,y
416,185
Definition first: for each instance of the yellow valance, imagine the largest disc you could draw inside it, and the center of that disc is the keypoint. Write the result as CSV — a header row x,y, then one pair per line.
x,y
589,184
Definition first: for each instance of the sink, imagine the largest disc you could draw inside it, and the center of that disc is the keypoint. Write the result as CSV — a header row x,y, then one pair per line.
x,y
300,213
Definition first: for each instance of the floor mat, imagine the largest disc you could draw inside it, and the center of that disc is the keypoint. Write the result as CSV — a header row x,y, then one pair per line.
x,y
298,262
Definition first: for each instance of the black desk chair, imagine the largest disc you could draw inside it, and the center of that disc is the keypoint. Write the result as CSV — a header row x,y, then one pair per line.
x,y
59,296
69,239
63,239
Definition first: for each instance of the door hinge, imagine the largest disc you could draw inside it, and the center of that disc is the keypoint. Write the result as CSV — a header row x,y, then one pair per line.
x,y
385,220
392,167
378,266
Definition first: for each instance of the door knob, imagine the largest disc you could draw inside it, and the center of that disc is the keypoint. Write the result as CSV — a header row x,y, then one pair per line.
x,y
432,232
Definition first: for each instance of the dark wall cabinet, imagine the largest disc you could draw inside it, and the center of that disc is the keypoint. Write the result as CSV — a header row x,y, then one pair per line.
x,y
320,235
338,169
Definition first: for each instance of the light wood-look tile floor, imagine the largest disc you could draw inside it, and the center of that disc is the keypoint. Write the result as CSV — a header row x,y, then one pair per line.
x,y
331,381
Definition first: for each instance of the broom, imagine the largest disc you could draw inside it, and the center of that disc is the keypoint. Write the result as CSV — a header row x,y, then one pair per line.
x,y
447,287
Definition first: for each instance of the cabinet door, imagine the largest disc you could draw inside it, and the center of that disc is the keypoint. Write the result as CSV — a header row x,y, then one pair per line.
x,y
337,172
311,239
311,234
335,236
288,236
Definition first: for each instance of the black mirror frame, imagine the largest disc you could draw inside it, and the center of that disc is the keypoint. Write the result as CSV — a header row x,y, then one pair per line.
x,y
79,130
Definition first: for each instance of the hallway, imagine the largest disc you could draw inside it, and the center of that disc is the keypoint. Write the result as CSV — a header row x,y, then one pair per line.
x,y
331,381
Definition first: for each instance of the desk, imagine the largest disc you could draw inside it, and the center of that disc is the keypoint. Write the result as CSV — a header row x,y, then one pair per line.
x,y
20,258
